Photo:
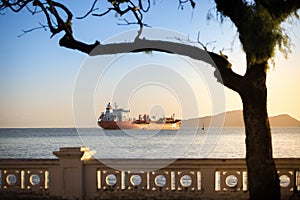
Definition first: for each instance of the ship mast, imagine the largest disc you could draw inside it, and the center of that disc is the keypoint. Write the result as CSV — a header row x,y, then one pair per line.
x,y
115,105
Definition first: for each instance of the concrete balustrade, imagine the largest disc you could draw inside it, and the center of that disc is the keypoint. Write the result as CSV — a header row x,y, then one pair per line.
x,y
75,175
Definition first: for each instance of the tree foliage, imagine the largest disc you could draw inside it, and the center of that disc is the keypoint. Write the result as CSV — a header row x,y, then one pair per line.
x,y
259,25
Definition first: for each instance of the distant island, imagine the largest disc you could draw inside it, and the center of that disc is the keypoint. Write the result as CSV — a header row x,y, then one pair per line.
x,y
235,119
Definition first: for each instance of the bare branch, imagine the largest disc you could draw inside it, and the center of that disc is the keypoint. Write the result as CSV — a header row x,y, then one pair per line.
x,y
131,23
226,49
139,17
131,7
198,40
53,29
102,14
42,26
15,6
61,24
188,41
64,8
182,2
33,12
90,11
142,7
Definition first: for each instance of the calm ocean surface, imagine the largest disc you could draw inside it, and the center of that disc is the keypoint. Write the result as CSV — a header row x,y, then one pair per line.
x,y
187,143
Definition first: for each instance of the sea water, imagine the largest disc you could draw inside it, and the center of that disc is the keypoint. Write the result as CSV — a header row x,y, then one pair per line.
x,y
186,143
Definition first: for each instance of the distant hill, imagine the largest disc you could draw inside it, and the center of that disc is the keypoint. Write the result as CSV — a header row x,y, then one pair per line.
x,y
235,119
284,120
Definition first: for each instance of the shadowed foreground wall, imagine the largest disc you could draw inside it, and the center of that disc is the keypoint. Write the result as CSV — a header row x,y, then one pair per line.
x,y
75,175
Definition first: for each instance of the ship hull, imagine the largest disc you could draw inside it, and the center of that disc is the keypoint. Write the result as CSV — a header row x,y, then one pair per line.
x,y
160,126
115,125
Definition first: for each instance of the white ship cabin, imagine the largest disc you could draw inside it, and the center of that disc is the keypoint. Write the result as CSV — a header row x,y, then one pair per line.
x,y
117,114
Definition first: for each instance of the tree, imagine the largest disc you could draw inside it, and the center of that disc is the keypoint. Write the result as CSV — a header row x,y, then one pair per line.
x,y
256,21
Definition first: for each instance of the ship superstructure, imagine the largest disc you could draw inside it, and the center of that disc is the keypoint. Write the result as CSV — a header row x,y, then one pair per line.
x,y
117,118
117,114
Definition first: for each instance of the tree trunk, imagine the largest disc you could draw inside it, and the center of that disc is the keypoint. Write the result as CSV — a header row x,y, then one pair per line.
x,y
262,175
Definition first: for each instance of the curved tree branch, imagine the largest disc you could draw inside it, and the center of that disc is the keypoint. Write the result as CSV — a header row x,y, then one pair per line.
x,y
69,42
224,74
62,25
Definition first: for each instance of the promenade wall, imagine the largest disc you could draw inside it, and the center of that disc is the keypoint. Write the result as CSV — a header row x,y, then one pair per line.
x,y
76,175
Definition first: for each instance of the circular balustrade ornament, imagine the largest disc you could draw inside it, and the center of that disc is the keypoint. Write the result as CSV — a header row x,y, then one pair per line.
x,y
135,180
160,181
111,179
284,181
11,179
186,181
231,181
34,179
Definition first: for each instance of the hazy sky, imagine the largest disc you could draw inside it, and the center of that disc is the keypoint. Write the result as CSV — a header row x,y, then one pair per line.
x,y
38,79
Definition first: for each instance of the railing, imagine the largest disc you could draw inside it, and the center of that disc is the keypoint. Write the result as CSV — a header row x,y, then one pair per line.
x,y
76,176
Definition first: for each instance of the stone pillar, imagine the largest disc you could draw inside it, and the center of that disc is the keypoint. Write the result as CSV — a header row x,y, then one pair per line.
x,y
208,181
70,182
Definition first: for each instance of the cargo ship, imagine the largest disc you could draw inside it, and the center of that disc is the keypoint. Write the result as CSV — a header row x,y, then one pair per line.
x,y
119,118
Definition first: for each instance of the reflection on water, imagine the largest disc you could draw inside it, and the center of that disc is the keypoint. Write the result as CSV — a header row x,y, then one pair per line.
x,y
39,143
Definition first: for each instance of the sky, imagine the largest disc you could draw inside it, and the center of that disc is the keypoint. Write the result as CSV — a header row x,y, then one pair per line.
x,y
45,85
